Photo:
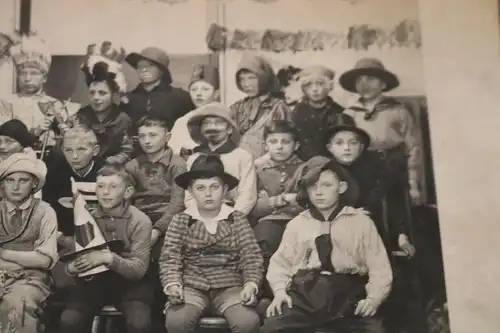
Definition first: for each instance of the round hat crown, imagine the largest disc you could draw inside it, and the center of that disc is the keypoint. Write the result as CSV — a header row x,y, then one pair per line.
x,y
369,63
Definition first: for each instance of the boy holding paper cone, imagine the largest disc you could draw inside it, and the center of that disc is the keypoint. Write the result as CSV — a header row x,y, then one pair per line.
x,y
106,272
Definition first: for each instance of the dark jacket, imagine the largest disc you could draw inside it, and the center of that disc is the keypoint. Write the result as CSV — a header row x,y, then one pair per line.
x,y
313,126
164,101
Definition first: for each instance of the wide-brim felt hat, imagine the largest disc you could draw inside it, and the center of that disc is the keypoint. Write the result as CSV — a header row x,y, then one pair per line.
x,y
370,67
155,55
211,110
318,164
206,166
345,122
21,162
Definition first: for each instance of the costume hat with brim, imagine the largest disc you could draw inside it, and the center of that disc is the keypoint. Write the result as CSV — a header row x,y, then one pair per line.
x,y
21,162
211,110
155,55
206,166
345,122
369,67
318,164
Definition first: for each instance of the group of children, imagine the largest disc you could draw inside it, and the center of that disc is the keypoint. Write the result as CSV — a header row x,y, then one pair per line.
x,y
218,208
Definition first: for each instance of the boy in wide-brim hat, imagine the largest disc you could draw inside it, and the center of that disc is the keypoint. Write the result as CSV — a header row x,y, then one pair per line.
x,y
210,255
393,133
155,94
28,243
216,133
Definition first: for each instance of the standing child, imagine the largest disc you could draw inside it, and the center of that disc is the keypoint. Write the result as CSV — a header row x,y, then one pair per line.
x,y
255,77
126,284
28,244
275,208
203,89
390,125
347,145
217,134
104,114
80,149
317,112
210,258
331,267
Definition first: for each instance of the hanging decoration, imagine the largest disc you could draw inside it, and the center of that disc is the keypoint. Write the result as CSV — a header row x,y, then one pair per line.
x,y
357,37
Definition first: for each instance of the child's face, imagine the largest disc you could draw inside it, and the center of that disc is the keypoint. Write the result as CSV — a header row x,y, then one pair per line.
x,y
325,193
153,138
317,89
215,129
281,146
345,147
18,186
112,191
79,151
9,146
249,83
369,87
209,193
148,71
30,79
201,93
100,96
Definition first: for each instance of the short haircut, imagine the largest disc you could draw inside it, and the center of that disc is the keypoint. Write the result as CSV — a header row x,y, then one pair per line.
x,y
150,121
281,126
81,131
116,170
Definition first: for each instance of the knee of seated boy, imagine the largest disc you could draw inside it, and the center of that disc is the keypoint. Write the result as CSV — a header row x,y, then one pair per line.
x,y
137,316
242,319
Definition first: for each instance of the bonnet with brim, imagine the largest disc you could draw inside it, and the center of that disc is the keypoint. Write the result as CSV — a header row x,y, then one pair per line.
x,y
21,162
211,110
157,56
316,165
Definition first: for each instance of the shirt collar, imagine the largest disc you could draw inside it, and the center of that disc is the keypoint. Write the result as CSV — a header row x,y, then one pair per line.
x,y
164,158
86,173
124,213
224,213
25,205
225,148
340,211
266,162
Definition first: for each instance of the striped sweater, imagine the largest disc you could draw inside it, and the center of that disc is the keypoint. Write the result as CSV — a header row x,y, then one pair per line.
x,y
191,256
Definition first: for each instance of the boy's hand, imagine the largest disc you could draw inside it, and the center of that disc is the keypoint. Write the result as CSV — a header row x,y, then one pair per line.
x,y
280,298
366,308
175,294
405,245
92,259
155,235
47,122
249,294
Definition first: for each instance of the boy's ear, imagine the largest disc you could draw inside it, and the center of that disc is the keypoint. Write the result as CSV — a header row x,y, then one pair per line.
x,y
168,136
216,96
226,189
96,150
342,187
330,85
129,192
297,146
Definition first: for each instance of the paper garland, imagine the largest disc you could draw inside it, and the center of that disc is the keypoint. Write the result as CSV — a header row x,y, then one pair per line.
x,y
357,37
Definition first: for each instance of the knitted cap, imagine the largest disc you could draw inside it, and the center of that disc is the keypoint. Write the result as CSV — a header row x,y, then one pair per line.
x,y
18,131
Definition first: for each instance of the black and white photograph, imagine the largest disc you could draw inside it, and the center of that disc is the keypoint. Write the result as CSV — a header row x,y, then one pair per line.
x,y
217,166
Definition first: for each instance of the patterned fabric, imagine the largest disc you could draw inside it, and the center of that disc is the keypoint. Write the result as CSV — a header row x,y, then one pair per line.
x,y
313,125
133,227
156,193
273,180
357,249
113,133
193,257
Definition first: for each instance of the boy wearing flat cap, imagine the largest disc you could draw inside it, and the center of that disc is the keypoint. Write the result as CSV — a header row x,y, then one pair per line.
x,y
217,134
316,113
155,94
203,89
210,258
390,125
28,243
15,138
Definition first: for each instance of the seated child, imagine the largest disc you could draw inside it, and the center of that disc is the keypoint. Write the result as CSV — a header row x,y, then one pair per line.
x,y
104,116
317,111
203,89
216,134
80,150
15,138
331,267
28,244
126,284
347,145
275,208
255,77
210,258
